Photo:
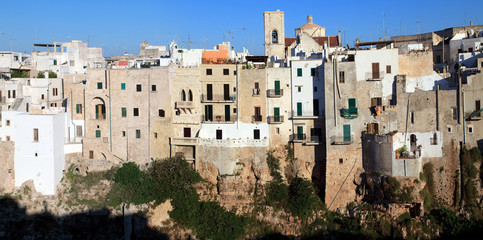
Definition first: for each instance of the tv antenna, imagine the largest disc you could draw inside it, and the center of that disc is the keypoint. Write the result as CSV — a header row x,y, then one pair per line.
x,y
383,28
189,42
203,40
243,36
343,32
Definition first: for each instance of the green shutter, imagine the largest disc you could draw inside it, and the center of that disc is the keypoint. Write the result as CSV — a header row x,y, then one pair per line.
x,y
208,112
352,103
227,113
97,111
98,133
123,86
99,85
312,72
77,108
299,72
276,114
347,133
299,109
124,112
300,133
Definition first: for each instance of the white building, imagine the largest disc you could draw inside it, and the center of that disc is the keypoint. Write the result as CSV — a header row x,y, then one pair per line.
x,y
13,59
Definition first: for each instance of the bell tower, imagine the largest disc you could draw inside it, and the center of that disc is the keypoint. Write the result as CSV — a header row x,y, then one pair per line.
x,y
274,34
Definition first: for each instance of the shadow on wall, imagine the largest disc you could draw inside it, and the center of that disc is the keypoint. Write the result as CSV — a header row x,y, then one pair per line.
x,y
16,224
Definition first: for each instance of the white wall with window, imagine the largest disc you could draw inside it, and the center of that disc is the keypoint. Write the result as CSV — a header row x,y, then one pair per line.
x,y
306,76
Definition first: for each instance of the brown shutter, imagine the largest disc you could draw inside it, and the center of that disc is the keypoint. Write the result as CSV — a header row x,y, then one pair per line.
x,y
375,70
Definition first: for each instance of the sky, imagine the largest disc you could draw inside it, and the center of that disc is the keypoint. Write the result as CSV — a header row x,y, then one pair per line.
x,y
120,26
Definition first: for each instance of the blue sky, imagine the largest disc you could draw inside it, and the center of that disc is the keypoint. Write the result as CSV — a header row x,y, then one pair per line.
x,y
119,26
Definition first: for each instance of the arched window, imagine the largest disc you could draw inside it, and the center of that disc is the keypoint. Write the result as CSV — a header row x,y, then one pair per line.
x,y
183,95
100,108
274,36
190,96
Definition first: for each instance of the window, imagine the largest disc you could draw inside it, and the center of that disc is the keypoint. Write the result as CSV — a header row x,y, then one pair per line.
x,y
299,89
315,89
274,36
72,63
98,133
123,133
183,95
234,72
470,129
78,108
454,111
36,134
99,85
299,72
123,112
91,154
7,122
161,112
277,130
312,72
13,93
138,133
377,101
123,86
449,129
78,130
190,96
100,111
341,160
10,96
155,135
138,88
256,133
219,134
153,88
136,112
209,71
412,117
7,138
55,62
341,77
41,96
55,92
226,71
388,69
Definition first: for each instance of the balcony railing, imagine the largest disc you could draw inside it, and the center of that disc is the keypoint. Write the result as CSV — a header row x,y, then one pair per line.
x,y
184,141
218,119
257,118
275,119
342,140
256,92
273,93
218,98
370,76
350,113
313,139
184,104
298,137
302,114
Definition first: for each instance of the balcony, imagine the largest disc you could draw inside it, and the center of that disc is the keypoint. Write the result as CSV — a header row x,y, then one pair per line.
x,y
342,140
275,119
256,92
313,140
274,93
304,114
185,104
475,115
257,118
218,98
184,141
218,119
375,76
298,137
350,113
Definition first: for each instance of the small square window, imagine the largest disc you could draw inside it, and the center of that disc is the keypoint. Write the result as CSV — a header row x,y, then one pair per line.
x,y
153,88
449,129
209,71
234,72
123,86
226,71
161,112
299,72
36,154
388,69
138,133
299,89
136,112
341,161
99,85
234,110
98,133
36,134
123,133
91,154
7,122
124,112
155,135
138,88
470,129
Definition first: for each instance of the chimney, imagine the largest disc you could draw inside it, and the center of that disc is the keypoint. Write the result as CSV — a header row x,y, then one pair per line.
x,y
338,39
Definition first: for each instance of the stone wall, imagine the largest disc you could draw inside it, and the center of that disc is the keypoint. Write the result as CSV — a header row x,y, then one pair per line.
x,y
7,173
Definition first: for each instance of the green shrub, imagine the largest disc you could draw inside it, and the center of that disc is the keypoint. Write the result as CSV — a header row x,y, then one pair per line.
x,y
276,195
128,175
303,199
40,75
52,74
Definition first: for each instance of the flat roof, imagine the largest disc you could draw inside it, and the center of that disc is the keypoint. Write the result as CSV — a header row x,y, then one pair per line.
x,y
374,43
